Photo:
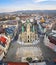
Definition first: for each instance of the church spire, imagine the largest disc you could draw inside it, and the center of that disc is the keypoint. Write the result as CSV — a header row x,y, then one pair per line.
x,y
33,29
22,28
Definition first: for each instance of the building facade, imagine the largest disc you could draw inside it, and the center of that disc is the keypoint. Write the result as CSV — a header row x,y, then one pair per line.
x,y
28,34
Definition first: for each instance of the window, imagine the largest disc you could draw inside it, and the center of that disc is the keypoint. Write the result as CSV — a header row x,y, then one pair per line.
x,y
28,40
28,36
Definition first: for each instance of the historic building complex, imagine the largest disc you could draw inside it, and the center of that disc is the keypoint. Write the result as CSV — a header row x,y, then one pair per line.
x,y
28,34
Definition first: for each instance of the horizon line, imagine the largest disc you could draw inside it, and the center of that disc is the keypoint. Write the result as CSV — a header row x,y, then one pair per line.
x,y
27,10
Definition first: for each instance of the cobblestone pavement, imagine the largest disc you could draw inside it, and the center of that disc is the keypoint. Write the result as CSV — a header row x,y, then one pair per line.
x,y
11,55
46,52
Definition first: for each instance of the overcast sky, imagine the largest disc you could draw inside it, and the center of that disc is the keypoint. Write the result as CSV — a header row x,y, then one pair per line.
x,y
14,5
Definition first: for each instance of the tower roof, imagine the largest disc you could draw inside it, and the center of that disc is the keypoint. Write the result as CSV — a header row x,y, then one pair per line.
x,y
22,28
33,29
28,21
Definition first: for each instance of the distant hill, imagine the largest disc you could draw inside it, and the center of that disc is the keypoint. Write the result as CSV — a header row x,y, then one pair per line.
x,y
36,11
31,11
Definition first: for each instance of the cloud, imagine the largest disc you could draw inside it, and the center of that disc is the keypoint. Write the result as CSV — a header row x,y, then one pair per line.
x,y
17,7
27,7
39,0
43,0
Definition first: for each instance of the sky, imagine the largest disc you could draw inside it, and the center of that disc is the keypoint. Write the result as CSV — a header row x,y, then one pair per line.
x,y
15,5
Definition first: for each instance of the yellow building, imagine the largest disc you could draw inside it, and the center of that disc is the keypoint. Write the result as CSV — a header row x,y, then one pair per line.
x,y
42,20
28,35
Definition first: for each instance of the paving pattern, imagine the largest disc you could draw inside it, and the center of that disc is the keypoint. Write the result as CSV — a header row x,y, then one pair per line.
x,y
14,47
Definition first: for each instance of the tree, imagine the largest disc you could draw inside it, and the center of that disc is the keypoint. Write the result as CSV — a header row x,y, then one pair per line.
x,y
29,59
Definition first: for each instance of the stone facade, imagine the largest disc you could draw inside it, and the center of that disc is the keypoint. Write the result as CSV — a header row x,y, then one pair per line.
x,y
29,35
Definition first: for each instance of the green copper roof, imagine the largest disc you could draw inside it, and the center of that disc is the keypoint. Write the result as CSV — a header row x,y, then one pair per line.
x,y
33,29
28,21
22,28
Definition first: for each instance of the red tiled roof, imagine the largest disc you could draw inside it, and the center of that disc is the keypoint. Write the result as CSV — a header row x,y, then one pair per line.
x,y
17,63
3,39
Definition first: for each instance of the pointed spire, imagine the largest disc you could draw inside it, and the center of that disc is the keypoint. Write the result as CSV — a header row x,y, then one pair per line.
x,y
27,21
33,29
22,28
